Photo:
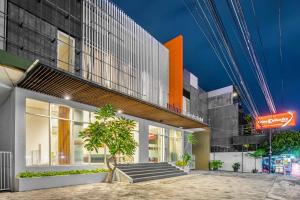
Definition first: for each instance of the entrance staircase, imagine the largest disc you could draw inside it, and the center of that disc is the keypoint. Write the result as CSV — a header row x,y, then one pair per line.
x,y
140,172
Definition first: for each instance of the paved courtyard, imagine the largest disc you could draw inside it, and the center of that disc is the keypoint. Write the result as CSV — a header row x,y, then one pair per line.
x,y
199,185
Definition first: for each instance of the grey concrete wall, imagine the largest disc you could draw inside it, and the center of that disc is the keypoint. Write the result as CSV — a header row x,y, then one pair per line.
x,y
220,100
198,103
224,124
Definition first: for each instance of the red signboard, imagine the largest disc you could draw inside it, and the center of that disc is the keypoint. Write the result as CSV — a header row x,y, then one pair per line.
x,y
276,120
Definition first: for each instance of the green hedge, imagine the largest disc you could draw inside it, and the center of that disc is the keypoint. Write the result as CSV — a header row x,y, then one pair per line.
x,y
28,174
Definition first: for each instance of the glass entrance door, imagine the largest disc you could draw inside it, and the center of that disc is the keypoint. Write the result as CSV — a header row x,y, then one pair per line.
x,y
156,144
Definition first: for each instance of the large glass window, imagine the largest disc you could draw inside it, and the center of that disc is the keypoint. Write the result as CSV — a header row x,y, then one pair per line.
x,y
131,159
52,135
156,144
37,132
175,145
80,121
65,51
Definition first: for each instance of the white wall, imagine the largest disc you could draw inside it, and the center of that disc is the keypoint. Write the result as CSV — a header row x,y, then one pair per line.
x,y
231,157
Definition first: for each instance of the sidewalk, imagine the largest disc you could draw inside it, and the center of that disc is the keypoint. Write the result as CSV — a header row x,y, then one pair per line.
x,y
198,185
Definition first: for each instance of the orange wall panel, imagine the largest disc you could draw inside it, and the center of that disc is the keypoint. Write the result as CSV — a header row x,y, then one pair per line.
x,y
175,47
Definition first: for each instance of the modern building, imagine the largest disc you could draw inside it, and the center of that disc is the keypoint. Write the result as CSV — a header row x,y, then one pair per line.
x,y
60,60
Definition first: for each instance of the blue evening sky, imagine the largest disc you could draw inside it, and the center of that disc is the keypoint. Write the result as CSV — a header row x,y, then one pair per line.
x,y
165,19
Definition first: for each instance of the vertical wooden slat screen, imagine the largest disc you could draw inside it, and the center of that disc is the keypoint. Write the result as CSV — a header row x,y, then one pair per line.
x,y
64,136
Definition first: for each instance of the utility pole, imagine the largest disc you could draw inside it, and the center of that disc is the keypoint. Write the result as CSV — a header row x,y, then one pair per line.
x,y
270,150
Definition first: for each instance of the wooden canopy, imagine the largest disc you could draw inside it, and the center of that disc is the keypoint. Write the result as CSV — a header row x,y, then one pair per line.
x,y
59,83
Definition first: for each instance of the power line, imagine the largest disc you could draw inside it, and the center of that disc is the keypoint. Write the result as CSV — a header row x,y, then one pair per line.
x,y
280,50
242,25
214,37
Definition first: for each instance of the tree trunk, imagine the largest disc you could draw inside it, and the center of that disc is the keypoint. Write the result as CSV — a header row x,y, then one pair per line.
x,y
112,169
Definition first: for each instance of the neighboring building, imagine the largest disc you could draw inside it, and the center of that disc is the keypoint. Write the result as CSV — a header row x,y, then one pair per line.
x,y
223,113
227,123
63,59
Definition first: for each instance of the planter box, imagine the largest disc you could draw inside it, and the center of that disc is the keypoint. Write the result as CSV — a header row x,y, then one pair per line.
x,y
24,184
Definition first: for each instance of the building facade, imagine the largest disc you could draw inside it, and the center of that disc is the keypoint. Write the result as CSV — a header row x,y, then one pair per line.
x,y
60,60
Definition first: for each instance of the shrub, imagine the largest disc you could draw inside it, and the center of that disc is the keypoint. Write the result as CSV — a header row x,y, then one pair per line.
x,y
187,158
215,164
236,166
28,174
180,163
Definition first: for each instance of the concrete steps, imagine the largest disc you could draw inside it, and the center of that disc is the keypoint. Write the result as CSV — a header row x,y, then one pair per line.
x,y
149,171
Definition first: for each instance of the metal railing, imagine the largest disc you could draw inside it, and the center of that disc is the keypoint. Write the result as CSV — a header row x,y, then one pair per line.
x,y
5,170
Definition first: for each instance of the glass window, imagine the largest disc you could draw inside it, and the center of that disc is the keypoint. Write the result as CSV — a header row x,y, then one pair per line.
x,y
37,107
175,145
37,140
65,51
60,111
93,117
81,116
156,144
61,136
81,155
52,136
100,156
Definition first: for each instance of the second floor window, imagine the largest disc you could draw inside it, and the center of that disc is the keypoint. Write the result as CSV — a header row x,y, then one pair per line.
x,y
65,51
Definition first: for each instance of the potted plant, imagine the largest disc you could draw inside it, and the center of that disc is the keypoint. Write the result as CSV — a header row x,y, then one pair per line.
x,y
216,164
185,162
236,166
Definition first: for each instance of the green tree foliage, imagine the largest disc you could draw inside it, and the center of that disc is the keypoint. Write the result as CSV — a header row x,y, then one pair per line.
x,y
257,154
248,125
191,139
112,131
286,142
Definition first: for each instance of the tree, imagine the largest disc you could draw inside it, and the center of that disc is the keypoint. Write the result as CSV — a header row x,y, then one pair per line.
x,y
286,142
112,131
257,154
